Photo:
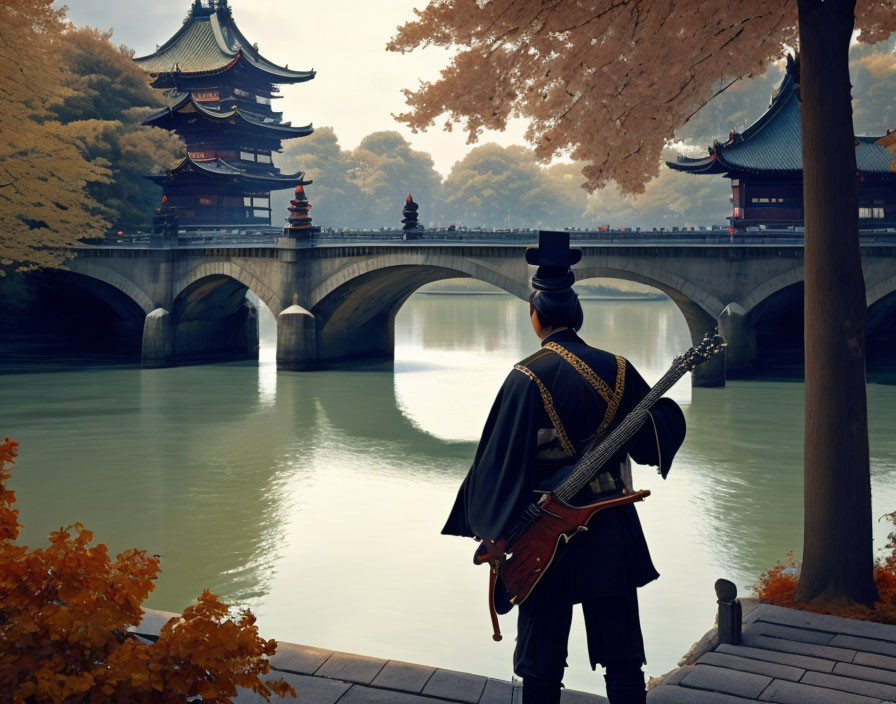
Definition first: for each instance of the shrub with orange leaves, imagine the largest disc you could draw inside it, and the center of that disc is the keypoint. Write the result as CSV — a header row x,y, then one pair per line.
x,y
64,617
778,585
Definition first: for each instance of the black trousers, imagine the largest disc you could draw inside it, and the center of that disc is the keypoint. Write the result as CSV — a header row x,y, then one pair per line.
x,y
613,628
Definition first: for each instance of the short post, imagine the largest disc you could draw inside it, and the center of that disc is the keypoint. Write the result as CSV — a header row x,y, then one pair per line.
x,y
730,612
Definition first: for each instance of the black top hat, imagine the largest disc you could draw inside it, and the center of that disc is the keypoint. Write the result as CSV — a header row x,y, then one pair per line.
x,y
553,250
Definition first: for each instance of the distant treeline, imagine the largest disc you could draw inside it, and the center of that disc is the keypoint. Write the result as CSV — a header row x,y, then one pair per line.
x,y
492,186
505,187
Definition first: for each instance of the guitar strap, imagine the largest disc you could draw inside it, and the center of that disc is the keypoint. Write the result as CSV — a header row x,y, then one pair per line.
x,y
611,397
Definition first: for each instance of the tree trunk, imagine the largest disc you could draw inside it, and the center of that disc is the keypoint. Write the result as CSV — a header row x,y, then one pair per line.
x,y
837,547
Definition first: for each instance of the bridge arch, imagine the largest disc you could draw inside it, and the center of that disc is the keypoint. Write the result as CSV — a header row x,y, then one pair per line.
x,y
228,269
114,279
880,331
700,309
355,308
772,286
357,318
87,314
212,319
776,323
436,262
880,290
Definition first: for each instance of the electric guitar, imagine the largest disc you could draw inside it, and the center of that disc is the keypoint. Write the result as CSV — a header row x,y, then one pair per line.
x,y
520,561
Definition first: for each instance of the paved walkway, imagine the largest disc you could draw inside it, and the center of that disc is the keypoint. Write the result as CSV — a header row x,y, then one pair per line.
x,y
790,657
327,677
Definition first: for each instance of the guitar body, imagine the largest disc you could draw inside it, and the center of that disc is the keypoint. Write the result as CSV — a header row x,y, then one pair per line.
x,y
532,554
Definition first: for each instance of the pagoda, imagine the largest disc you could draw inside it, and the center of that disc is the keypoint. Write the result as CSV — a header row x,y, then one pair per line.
x,y
765,165
221,92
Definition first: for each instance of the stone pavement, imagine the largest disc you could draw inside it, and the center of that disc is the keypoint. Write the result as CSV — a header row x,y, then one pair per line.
x,y
326,677
790,657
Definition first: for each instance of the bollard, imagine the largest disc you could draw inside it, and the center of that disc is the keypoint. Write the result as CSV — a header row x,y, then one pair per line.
x,y
730,612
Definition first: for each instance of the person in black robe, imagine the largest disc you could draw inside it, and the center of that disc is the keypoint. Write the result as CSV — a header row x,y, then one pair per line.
x,y
550,408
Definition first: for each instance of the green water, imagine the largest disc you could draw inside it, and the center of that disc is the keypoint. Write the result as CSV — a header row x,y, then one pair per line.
x,y
317,498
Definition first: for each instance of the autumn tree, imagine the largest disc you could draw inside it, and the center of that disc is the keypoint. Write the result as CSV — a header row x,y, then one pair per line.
x,y
671,200
107,96
335,194
65,615
365,186
388,168
608,83
43,175
500,187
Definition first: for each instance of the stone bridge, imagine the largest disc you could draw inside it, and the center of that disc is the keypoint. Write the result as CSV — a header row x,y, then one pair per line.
x,y
333,302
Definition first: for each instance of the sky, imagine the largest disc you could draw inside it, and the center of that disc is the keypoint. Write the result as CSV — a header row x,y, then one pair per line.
x,y
358,84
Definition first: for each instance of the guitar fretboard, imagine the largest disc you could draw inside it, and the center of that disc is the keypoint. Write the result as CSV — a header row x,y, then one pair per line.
x,y
587,467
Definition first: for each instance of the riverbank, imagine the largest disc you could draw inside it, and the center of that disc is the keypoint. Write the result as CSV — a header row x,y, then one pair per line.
x,y
322,676
785,656
790,657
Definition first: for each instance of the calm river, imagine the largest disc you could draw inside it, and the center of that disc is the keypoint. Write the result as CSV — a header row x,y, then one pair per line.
x,y
317,498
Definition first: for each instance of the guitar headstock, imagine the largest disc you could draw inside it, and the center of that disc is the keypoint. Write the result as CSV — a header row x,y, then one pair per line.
x,y
709,347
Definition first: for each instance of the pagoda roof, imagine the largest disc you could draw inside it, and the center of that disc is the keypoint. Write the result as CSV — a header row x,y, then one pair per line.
x,y
218,168
210,41
774,143
185,105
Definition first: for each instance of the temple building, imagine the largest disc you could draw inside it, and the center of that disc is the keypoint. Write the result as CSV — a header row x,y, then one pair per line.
x,y
221,93
765,165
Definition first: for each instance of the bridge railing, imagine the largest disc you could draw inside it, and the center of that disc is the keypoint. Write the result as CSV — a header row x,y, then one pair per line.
x,y
267,236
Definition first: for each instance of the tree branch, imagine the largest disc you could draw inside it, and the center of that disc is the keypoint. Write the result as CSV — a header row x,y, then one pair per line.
x,y
711,98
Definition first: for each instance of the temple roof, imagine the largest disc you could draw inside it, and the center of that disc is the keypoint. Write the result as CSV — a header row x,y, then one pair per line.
x,y
185,105
210,41
224,170
774,144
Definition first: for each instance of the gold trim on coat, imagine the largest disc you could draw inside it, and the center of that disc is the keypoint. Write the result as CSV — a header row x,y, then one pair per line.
x,y
611,397
549,409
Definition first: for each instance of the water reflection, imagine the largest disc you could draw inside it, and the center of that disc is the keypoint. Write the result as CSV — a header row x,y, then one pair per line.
x,y
317,498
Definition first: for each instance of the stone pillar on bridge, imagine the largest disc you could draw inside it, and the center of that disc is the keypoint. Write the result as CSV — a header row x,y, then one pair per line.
x,y
740,355
296,339
158,339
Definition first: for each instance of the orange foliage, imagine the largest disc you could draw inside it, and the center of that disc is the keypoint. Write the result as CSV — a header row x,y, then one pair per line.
x,y
64,617
776,587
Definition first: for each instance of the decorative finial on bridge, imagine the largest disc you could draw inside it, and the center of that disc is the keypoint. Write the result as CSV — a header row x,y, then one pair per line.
x,y
409,219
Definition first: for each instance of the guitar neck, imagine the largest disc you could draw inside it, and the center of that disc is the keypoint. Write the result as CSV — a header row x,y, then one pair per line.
x,y
592,461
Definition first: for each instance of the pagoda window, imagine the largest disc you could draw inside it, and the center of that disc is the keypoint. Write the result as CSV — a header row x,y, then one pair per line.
x,y
261,213
262,100
264,158
232,201
247,201
871,213
261,202
202,155
207,200
247,156
206,96
242,93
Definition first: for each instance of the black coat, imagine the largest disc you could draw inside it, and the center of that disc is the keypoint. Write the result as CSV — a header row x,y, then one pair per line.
x,y
523,450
